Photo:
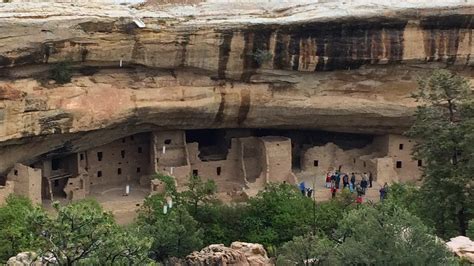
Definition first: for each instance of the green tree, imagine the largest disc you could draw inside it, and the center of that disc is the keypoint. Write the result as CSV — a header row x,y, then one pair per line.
x,y
277,214
407,196
470,231
386,234
307,250
222,223
198,192
175,233
82,233
15,235
169,181
444,127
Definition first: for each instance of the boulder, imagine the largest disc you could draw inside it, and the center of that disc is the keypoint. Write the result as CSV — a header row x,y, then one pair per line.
x,y
463,247
239,253
24,258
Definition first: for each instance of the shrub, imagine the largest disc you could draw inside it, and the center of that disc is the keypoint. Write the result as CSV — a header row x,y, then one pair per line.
x,y
262,56
62,72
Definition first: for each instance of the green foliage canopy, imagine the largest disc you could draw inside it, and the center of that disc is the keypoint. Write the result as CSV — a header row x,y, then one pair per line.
x,y
82,233
15,235
444,128
386,234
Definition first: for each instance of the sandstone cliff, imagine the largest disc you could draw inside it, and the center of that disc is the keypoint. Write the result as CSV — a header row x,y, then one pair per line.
x,y
347,67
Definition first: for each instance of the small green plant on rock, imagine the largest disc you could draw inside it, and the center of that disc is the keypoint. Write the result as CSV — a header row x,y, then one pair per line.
x,y
262,56
62,72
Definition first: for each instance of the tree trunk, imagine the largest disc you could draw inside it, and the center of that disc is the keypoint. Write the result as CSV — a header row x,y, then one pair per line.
x,y
462,221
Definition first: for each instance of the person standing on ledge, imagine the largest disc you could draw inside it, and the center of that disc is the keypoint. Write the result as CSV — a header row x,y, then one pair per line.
x,y
328,180
363,183
353,180
303,188
371,178
345,181
382,193
333,189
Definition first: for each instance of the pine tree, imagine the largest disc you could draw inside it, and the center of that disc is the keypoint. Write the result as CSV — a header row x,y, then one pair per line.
x,y
444,129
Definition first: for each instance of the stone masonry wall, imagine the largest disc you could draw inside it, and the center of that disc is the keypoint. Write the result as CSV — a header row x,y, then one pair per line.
x,y
123,160
27,182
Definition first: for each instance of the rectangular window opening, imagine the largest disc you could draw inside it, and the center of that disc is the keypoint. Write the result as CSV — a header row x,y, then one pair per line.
x,y
399,164
195,172
167,141
99,156
139,170
218,170
122,153
316,163
420,163
119,171
400,146
99,173
81,156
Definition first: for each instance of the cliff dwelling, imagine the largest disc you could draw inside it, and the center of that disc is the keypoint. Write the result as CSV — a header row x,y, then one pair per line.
x,y
241,98
240,161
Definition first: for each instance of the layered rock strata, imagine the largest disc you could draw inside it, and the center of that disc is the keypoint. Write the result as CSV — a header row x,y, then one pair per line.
x,y
329,66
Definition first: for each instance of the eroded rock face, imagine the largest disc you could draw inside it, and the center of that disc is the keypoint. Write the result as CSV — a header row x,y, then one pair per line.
x,y
94,110
239,253
333,66
299,37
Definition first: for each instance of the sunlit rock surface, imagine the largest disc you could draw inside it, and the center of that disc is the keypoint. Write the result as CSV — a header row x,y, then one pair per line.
x,y
345,66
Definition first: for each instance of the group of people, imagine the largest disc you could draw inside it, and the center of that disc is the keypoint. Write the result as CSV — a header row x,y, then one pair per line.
x,y
306,191
333,181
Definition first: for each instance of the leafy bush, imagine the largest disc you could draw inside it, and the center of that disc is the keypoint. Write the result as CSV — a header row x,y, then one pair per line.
x,y
175,234
386,234
82,233
169,181
62,72
14,230
470,231
303,249
262,56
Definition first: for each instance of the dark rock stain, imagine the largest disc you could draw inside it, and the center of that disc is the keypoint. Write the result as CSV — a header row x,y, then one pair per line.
x,y
224,51
244,106
33,57
4,61
247,70
182,41
104,27
280,59
219,118
255,39
442,35
138,51
345,44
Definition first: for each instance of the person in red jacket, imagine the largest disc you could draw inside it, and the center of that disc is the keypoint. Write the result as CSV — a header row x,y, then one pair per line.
x,y
333,189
